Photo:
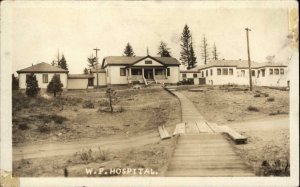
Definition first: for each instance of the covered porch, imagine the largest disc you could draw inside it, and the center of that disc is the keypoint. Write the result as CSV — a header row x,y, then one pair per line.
x,y
147,74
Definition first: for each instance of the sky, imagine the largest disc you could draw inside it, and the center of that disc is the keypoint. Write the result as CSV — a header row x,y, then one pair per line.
x,y
39,32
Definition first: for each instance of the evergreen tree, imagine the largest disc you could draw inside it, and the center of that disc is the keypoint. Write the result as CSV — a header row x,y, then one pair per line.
x,y
85,71
193,59
53,63
204,52
92,61
215,53
185,46
63,63
55,85
128,51
32,87
15,82
163,50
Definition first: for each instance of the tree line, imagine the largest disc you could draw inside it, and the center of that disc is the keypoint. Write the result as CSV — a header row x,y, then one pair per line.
x,y
187,54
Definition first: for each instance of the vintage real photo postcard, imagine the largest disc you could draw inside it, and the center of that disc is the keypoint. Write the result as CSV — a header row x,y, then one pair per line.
x,y
149,93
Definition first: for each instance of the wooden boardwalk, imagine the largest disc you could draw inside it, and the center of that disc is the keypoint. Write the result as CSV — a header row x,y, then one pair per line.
x,y
201,149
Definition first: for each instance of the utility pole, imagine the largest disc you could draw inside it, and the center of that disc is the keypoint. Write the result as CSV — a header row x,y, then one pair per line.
x,y
58,58
249,60
96,49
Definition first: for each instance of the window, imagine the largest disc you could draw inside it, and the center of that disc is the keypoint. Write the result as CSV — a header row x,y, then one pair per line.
x,y
168,72
122,71
271,71
159,72
263,72
202,73
258,73
45,78
183,75
136,72
281,71
243,73
206,73
211,72
219,71
27,77
276,71
230,71
253,72
195,75
225,71
148,62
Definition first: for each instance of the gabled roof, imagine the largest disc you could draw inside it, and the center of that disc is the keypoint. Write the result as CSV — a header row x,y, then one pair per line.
x,y
80,76
124,60
42,67
238,64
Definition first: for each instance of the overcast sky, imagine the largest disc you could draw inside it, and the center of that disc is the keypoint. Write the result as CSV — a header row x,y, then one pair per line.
x,y
38,33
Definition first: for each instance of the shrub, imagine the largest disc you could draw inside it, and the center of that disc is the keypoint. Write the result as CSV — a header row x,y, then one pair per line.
x,y
23,126
55,85
32,87
87,156
88,104
44,128
252,108
257,95
15,83
53,117
270,99
266,95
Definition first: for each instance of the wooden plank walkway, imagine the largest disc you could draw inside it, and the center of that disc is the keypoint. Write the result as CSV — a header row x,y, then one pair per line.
x,y
201,149
206,155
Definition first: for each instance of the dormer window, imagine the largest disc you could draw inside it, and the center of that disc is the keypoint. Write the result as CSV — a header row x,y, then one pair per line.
x,y
148,61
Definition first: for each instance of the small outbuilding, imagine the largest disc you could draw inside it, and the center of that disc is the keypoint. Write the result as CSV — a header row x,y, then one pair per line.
x,y
80,81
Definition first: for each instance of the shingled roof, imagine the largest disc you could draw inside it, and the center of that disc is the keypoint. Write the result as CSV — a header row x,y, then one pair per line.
x,y
238,64
124,60
43,67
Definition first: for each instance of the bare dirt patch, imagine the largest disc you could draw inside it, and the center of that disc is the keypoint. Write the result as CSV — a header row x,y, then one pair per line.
x,y
222,105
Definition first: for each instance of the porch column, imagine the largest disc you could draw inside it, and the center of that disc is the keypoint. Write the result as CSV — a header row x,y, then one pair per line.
x,y
143,72
166,70
129,73
153,70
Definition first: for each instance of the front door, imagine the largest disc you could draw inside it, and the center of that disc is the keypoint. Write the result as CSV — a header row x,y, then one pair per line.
x,y
148,73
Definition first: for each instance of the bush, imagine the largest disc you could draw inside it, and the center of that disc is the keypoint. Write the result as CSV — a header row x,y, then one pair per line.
x,y
257,95
53,117
186,82
86,156
270,99
32,87
252,108
88,104
23,126
44,128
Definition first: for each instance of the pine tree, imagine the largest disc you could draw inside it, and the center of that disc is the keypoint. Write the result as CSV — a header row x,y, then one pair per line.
x,y
193,59
163,50
92,61
32,87
85,71
15,83
128,51
63,63
204,52
185,46
53,63
55,85
215,53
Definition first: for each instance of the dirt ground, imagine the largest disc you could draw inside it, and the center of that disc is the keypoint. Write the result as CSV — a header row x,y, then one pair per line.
x,y
129,136
217,104
266,128
142,111
260,115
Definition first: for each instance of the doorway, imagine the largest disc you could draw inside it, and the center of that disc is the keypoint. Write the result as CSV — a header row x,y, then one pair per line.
x,y
148,73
